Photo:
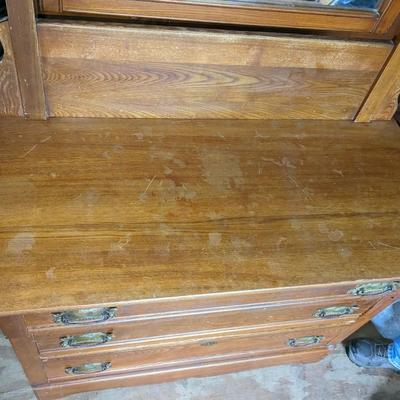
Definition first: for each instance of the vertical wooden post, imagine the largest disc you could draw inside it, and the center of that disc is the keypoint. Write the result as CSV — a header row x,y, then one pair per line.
x,y
382,101
22,24
10,97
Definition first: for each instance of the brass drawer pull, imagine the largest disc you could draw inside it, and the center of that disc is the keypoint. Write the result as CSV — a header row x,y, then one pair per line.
x,y
333,312
88,368
305,341
86,316
85,340
374,288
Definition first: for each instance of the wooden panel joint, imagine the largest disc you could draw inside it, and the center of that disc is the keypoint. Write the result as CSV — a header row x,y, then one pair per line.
x,y
383,99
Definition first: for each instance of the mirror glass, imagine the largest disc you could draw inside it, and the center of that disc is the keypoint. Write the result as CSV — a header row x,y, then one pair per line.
x,y
367,5
3,10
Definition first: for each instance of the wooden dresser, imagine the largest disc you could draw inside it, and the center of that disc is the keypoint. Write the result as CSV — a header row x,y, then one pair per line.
x,y
193,199
142,251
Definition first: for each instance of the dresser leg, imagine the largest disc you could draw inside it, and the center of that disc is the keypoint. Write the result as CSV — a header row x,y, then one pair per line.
x,y
41,395
15,329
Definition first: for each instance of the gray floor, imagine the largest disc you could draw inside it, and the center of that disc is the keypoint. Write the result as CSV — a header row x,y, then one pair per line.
x,y
333,378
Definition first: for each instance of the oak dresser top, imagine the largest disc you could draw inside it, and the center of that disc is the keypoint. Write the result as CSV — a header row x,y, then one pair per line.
x,y
103,211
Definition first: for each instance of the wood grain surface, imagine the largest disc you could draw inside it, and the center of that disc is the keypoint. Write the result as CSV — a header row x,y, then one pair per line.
x,y
50,6
10,98
236,12
383,100
25,348
22,23
390,18
105,211
118,71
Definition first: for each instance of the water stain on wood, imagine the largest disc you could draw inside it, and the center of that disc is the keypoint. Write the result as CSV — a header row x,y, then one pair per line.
x,y
20,243
221,170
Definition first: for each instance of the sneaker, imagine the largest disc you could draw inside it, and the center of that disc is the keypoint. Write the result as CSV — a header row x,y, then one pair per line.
x,y
368,353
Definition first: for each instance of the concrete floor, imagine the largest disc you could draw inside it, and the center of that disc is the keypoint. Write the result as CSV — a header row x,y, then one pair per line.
x,y
333,378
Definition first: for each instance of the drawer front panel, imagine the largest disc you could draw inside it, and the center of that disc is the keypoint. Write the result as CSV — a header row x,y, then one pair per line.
x,y
152,327
63,388
142,357
108,71
337,293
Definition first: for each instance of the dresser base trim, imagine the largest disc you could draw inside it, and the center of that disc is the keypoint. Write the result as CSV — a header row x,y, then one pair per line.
x,y
57,390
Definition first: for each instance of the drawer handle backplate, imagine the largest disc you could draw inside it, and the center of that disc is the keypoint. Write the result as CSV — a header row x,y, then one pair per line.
x,y
85,316
374,288
88,368
336,311
85,340
305,341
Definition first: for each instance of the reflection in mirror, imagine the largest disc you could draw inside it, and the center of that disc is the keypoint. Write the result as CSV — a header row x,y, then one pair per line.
x,y
3,10
371,5
366,4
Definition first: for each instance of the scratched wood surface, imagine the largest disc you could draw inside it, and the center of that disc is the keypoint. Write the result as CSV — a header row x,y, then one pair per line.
x,y
99,70
10,99
98,211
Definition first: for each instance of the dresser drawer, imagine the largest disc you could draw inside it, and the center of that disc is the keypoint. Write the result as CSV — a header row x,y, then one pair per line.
x,y
164,354
338,293
192,323
60,389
